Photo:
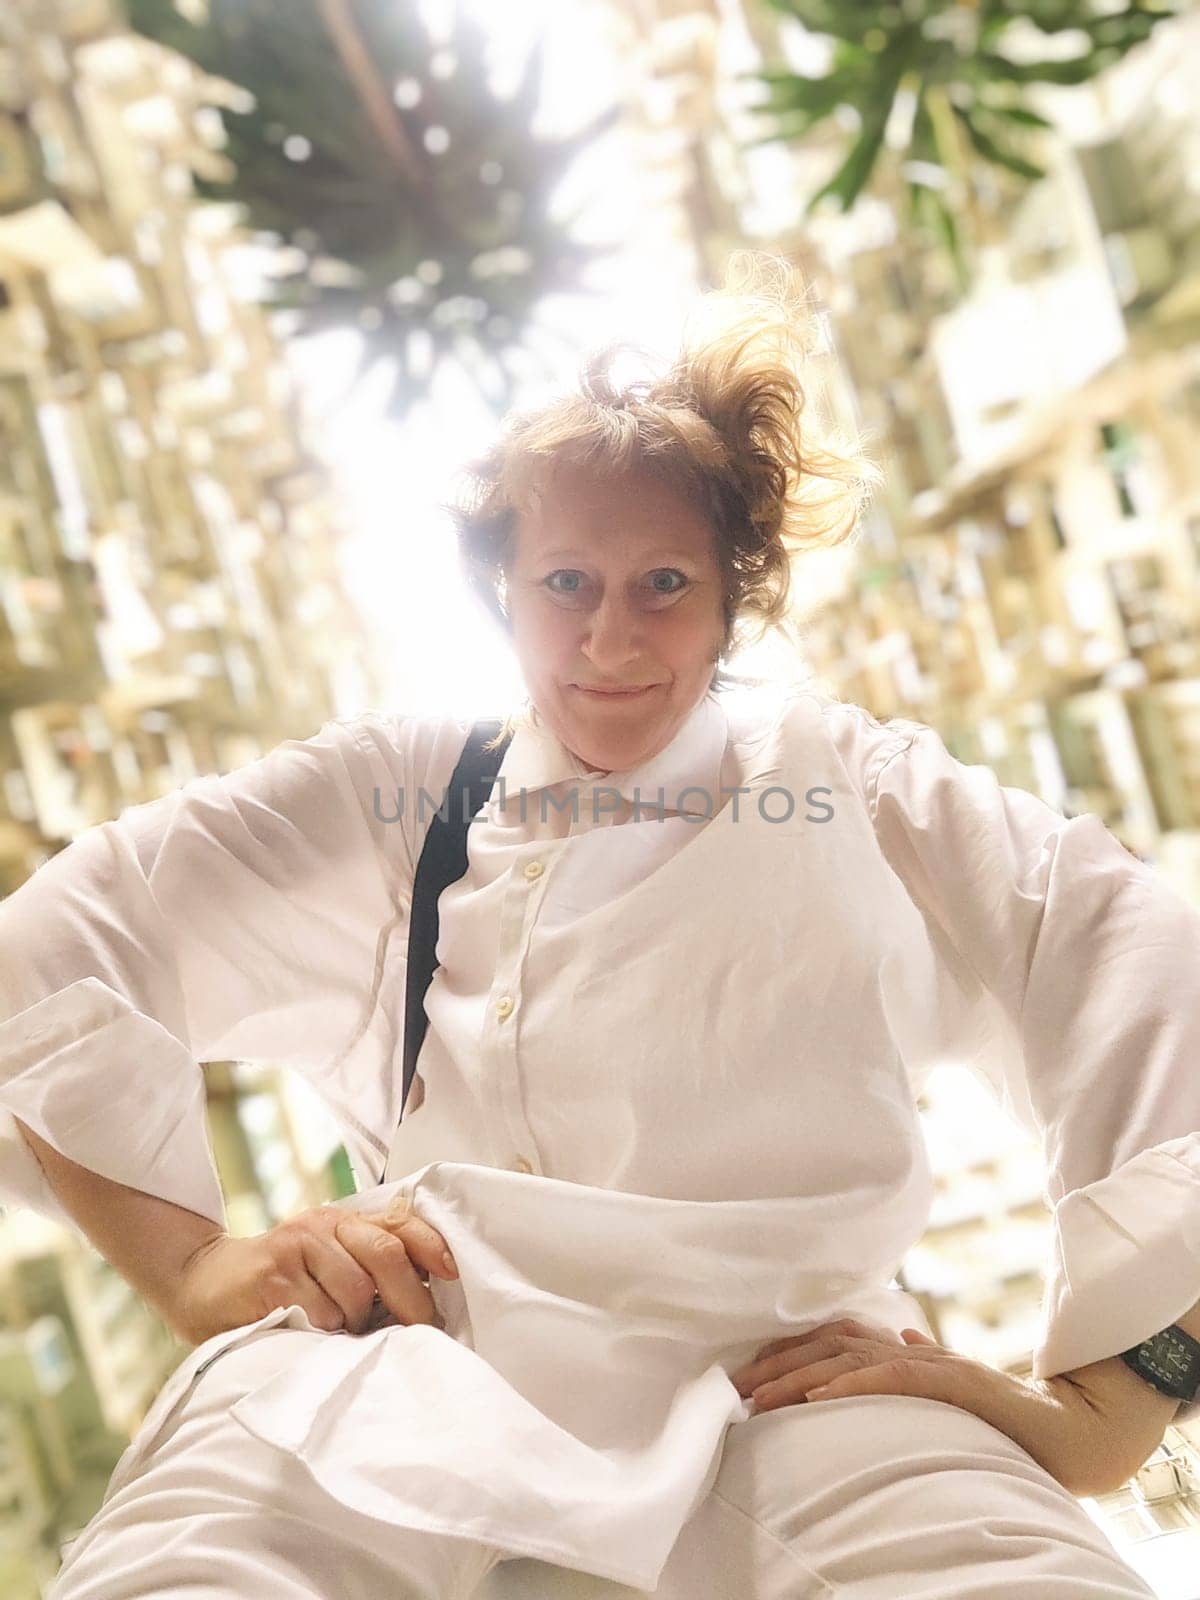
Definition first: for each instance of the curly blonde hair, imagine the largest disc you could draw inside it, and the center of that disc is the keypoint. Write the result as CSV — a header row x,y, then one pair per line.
x,y
727,422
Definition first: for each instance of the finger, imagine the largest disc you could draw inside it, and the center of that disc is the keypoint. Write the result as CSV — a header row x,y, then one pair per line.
x,y
320,1310
818,1361
823,1330
424,1244
776,1345
346,1283
385,1258
847,1327
888,1377
299,1288
931,1380
795,1358
389,1221
780,1347
794,1388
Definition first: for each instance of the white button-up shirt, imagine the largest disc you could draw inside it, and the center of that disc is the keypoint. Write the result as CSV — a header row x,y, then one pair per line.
x,y
665,1107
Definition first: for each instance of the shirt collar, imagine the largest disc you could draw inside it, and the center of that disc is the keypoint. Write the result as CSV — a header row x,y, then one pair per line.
x,y
536,758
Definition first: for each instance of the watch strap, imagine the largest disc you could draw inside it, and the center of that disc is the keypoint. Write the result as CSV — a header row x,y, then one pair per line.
x,y
1170,1361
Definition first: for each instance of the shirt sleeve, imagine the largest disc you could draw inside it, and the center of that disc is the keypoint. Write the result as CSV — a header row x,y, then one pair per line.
x,y
240,917
1078,971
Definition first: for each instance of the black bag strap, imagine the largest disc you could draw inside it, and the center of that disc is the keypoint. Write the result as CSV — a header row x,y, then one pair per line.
x,y
443,861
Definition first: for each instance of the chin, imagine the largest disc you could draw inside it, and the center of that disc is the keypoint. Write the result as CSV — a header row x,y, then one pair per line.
x,y
609,751
613,738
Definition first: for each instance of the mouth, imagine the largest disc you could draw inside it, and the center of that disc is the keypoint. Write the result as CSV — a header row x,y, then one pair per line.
x,y
614,694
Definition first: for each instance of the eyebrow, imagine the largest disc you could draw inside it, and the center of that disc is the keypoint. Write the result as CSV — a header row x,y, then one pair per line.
x,y
573,550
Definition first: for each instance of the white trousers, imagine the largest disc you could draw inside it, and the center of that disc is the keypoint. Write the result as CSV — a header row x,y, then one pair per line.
x,y
876,1497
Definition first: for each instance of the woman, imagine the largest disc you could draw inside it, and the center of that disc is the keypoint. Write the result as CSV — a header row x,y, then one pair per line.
x,y
704,954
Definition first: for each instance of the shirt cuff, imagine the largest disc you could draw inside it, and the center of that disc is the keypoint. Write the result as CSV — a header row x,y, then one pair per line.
x,y
111,1089
22,1181
1126,1260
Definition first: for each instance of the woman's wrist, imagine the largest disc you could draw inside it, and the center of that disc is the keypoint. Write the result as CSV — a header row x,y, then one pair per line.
x,y
195,1308
151,1242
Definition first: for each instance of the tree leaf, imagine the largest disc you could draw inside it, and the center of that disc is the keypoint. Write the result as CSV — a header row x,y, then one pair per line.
x,y
850,178
1022,115
1079,69
992,150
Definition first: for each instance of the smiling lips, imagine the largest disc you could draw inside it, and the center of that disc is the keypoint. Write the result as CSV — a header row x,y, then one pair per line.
x,y
613,694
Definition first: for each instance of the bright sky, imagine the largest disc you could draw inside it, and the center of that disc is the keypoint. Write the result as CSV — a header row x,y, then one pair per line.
x,y
440,652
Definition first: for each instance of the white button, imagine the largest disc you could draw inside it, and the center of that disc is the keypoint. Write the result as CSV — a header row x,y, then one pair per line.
x,y
534,870
521,1165
504,1006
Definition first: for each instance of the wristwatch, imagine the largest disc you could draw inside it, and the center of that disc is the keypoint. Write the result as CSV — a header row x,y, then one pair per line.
x,y
1169,1360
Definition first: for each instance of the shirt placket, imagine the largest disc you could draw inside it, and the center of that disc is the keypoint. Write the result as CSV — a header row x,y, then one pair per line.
x,y
500,1066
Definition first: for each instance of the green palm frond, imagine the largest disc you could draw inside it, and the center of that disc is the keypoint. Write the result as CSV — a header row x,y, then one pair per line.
x,y
848,180
991,148
929,200
417,202
956,47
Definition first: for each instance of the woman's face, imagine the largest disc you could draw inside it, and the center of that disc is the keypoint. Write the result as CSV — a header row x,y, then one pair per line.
x,y
614,584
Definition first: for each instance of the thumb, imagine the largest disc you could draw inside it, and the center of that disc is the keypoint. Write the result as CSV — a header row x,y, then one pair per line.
x,y
915,1336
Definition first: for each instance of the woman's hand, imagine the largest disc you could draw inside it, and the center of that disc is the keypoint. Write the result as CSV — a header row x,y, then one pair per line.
x,y
340,1266
1090,1429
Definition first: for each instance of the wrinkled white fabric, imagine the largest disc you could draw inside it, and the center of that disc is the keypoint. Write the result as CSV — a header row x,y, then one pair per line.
x,y
870,1497
686,1050
577,1408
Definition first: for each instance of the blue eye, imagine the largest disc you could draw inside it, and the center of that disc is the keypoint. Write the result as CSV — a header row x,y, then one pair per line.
x,y
563,572
570,582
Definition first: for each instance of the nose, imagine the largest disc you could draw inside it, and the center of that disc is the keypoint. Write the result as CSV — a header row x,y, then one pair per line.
x,y
612,635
